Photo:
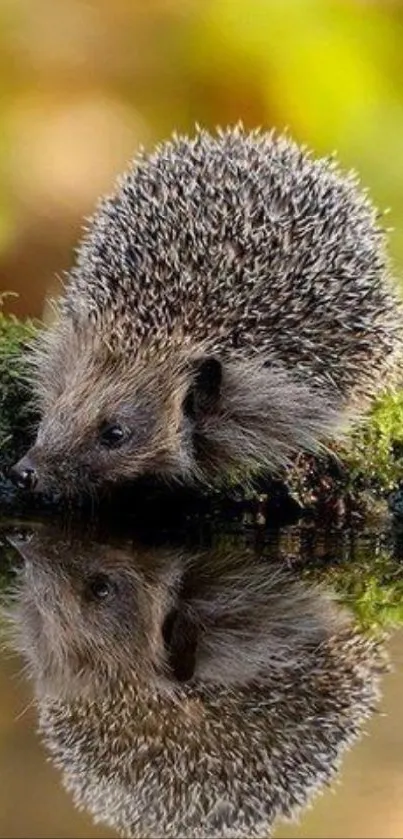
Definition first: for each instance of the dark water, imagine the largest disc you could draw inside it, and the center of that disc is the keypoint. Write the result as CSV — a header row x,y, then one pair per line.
x,y
364,568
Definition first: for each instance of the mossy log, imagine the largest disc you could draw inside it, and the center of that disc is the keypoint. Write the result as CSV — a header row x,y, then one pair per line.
x,y
368,468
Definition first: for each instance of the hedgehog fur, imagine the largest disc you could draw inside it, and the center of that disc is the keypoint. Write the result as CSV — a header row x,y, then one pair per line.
x,y
188,695
230,306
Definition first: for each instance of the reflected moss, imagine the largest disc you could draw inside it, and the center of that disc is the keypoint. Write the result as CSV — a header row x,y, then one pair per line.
x,y
372,588
364,569
145,659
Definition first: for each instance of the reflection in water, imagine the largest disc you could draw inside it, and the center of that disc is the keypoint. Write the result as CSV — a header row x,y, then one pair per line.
x,y
185,694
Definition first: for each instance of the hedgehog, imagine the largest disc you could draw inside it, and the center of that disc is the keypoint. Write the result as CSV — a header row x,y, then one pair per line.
x,y
231,306
188,694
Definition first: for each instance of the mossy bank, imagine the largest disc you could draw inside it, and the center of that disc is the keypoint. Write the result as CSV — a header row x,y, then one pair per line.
x,y
368,469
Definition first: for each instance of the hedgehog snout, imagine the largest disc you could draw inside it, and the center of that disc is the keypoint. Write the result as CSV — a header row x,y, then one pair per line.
x,y
32,474
24,474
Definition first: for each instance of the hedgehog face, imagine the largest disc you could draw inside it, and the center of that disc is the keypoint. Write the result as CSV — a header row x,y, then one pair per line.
x,y
87,441
187,762
89,614
108,418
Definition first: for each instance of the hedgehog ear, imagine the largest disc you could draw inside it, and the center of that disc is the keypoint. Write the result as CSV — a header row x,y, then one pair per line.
x,y
179,632
204,392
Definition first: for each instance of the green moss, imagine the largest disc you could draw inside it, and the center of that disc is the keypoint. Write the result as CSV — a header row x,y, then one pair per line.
x,y
357,475
375,452
16,415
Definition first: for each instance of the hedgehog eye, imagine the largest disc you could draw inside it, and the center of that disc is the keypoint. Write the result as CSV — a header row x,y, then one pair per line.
x,y
99,587
112,435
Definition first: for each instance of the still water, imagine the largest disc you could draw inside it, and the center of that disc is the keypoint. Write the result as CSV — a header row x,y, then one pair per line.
x,y
366,799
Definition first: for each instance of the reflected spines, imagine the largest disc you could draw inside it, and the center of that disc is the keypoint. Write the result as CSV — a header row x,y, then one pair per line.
x,y
281,685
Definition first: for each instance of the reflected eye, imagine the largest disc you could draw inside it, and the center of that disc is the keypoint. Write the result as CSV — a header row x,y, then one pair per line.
x,y
112,436
100,587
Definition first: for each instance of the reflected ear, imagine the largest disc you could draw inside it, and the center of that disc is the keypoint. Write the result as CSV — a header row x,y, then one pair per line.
x,y
180,638
204,392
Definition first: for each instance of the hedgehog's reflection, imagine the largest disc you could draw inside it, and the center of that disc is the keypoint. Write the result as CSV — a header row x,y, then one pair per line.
x,y
187,695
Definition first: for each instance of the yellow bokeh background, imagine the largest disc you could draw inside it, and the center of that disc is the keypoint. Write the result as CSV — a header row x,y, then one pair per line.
x,y
85,82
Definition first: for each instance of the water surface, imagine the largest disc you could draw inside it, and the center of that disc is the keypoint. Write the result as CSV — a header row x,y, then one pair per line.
x,y
366,801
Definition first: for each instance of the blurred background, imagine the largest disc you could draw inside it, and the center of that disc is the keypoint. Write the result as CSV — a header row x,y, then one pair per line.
x,y
84,82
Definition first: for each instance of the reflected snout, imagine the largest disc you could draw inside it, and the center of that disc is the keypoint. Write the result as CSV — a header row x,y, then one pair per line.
x,y
24,473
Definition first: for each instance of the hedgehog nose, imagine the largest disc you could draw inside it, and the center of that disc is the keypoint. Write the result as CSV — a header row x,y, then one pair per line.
x,y
24,474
